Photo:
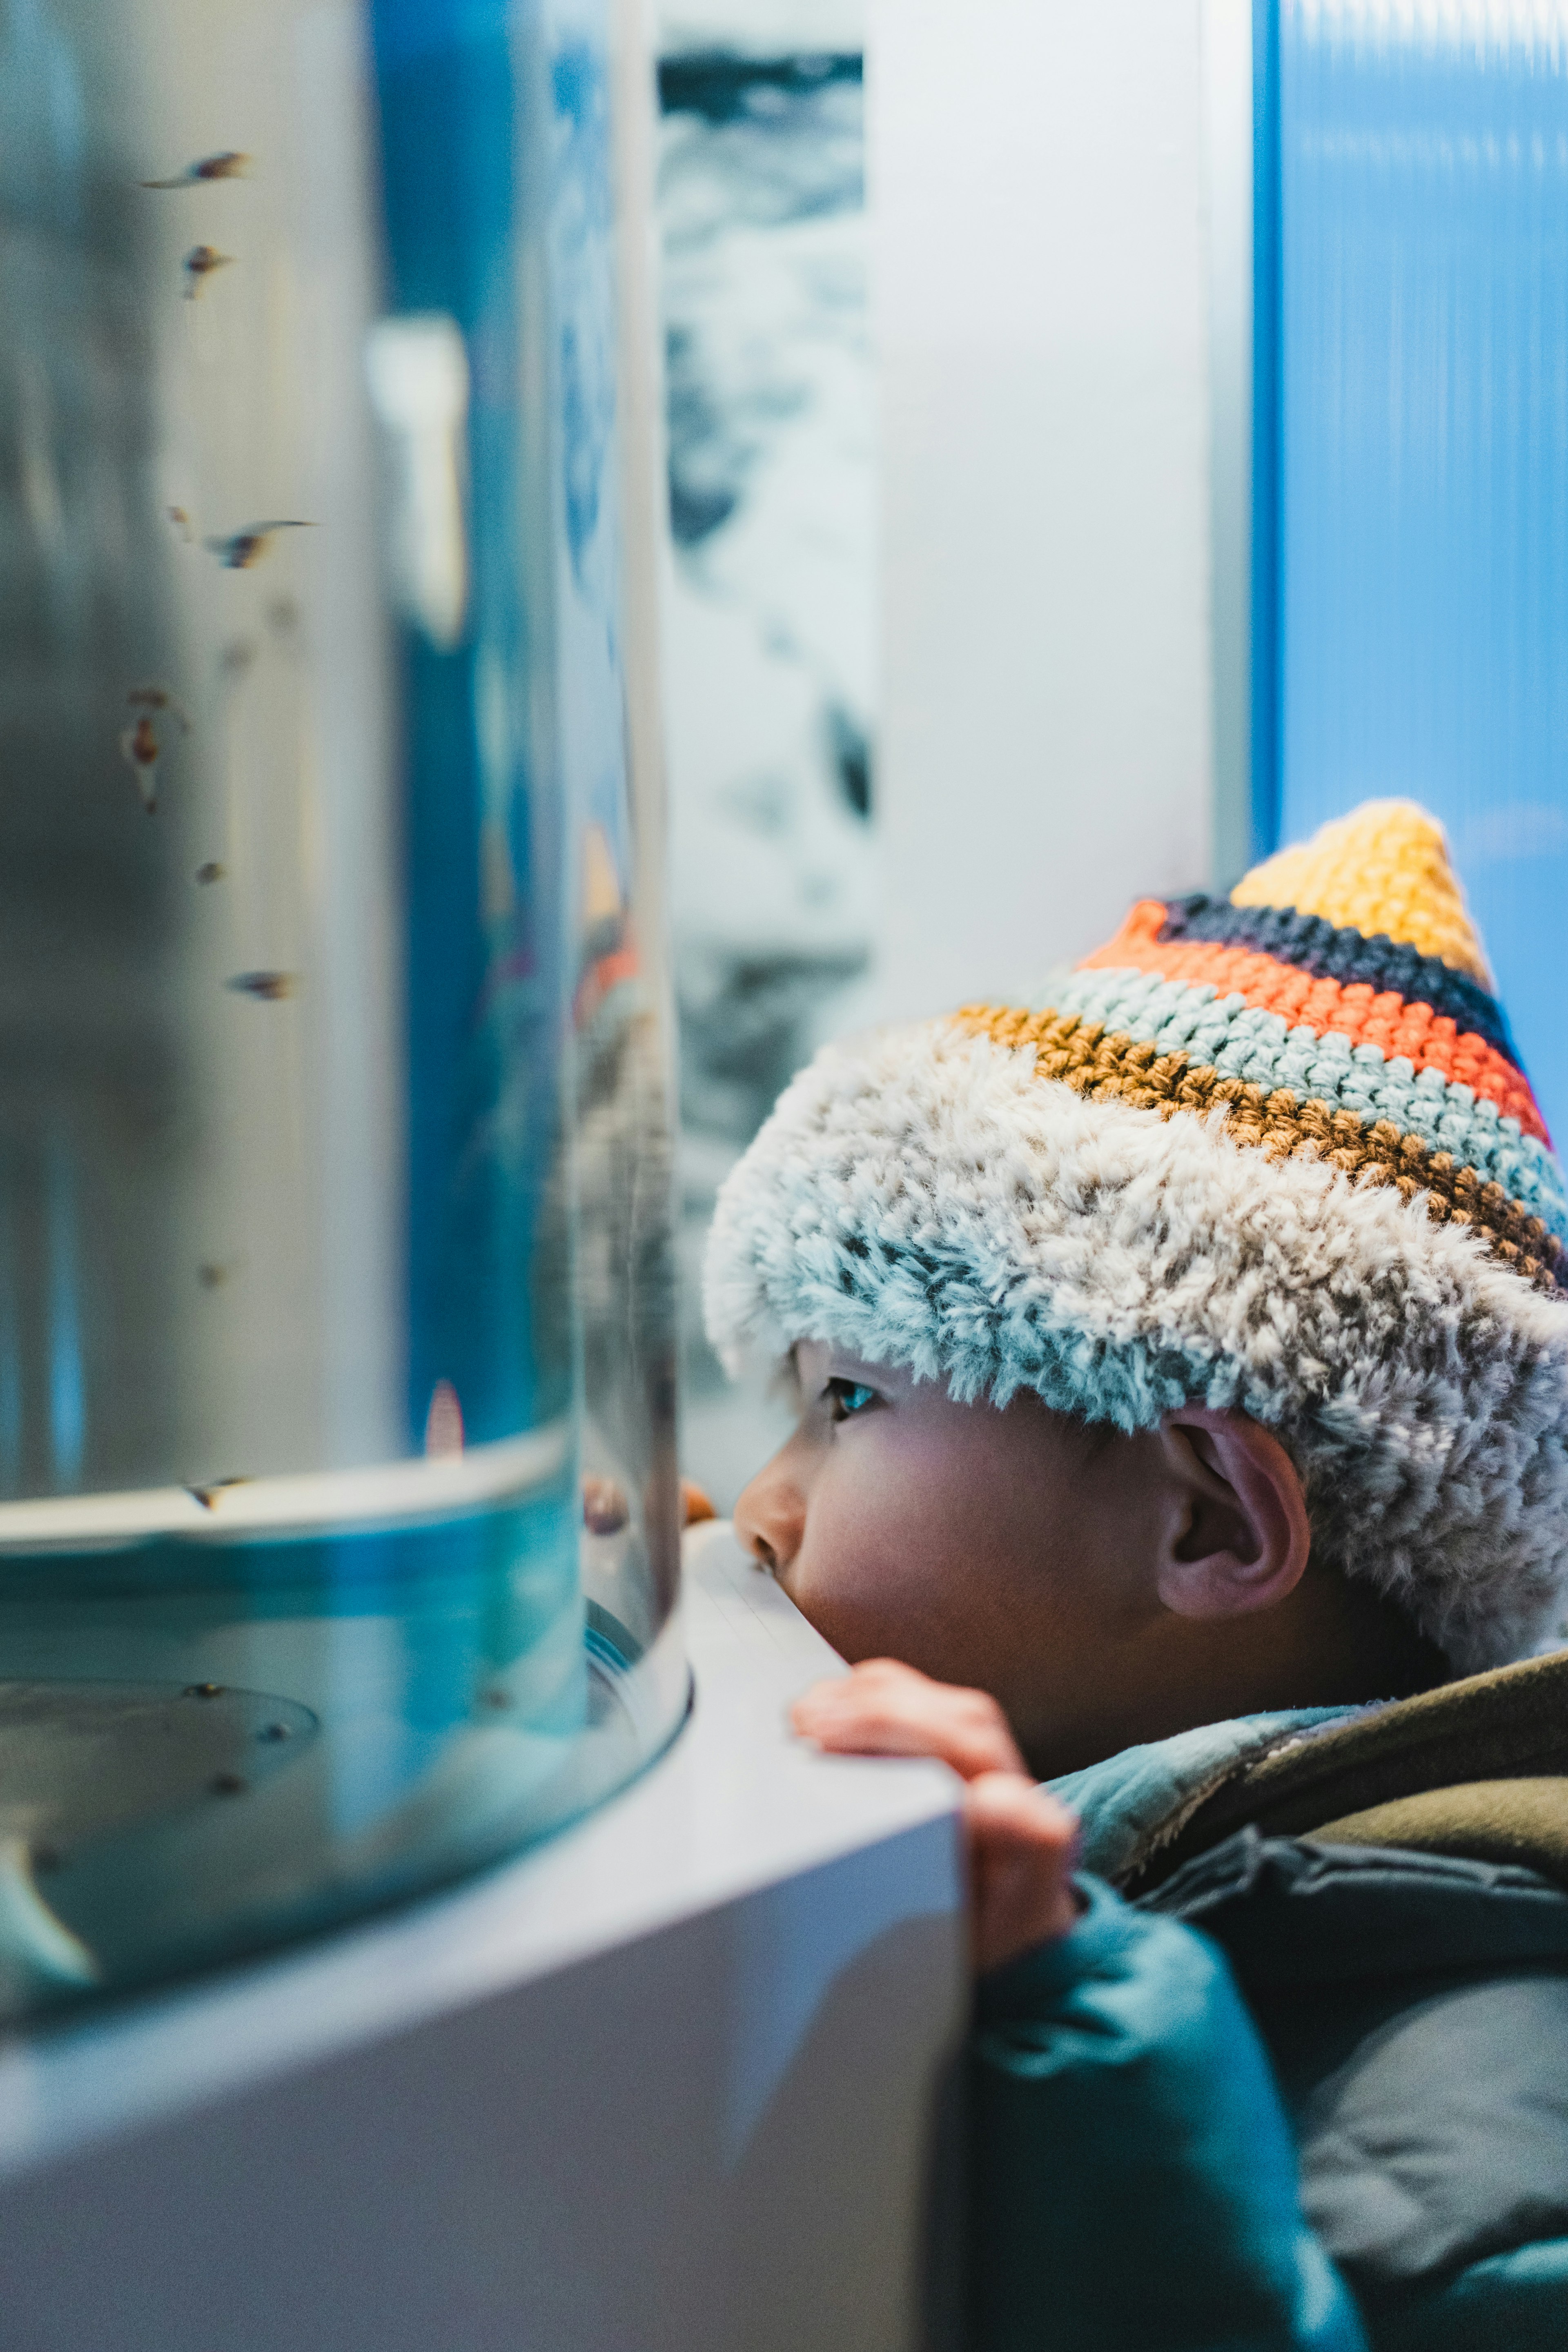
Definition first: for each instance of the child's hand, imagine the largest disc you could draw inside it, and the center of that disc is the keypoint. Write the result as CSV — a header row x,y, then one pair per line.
x,y
1022,1841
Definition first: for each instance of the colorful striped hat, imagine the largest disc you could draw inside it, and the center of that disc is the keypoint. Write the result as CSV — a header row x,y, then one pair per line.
x,y
1273,1151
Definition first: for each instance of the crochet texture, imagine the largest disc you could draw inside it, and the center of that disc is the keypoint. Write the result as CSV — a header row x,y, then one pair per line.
x,y
1293,1167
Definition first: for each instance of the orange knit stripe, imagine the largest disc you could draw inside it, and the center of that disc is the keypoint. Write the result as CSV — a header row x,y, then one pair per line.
x,y
1432,1040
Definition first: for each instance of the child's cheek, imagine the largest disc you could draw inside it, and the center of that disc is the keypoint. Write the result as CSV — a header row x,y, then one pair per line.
x,y
862,1572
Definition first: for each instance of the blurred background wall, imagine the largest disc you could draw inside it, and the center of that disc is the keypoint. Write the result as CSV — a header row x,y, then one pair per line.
x,y
937,637
769,620
1039,272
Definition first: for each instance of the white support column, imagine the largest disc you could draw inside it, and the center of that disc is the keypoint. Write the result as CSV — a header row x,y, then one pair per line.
x,y
1039,275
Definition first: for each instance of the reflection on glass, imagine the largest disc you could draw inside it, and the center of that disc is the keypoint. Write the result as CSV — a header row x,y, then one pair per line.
x,y
334,1244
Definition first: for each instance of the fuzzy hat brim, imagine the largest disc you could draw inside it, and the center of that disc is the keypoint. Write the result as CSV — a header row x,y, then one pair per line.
x,y
923,1199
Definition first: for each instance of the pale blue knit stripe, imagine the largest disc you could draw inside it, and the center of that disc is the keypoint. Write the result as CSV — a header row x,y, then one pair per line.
x,y
1242,1041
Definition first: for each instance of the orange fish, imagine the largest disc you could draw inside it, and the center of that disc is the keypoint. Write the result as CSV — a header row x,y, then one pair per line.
x,y
139,745
695,1505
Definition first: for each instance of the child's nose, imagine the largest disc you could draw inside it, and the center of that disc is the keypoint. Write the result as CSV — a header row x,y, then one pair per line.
x,y
770,1518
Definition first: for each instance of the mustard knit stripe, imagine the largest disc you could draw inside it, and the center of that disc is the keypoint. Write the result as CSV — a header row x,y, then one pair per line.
x,y
1384,870
1106,1066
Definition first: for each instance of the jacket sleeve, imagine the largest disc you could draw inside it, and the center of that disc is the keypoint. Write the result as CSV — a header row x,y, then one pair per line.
x,y
1133,2175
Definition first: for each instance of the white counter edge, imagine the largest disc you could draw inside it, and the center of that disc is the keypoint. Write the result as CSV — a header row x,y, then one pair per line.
x,y
735,1804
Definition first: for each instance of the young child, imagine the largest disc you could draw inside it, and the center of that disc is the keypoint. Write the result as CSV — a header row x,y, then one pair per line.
x,y
1183,1373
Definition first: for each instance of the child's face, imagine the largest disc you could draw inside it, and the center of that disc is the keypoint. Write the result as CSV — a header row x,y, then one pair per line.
x,y
1102,1589
1004,1549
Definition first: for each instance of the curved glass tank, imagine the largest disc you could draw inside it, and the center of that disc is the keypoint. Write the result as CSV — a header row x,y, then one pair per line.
x,y
338,1506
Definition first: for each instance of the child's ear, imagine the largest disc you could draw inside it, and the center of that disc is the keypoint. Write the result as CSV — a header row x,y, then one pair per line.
x,y
1238,1537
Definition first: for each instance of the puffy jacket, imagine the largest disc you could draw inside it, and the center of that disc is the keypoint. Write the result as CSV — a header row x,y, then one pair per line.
x,y
1300,2075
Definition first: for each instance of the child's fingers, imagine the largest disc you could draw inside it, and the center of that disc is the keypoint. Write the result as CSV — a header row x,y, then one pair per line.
x,y
882,1709
1023,1842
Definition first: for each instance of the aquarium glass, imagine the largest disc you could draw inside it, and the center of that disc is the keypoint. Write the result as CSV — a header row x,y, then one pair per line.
x,y
338,1508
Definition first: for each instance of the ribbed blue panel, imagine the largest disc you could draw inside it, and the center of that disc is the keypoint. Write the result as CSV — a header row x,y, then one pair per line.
x,y
1264,700
1424,607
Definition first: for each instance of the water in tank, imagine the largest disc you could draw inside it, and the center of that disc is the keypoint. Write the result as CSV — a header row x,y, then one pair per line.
x,y
338,1510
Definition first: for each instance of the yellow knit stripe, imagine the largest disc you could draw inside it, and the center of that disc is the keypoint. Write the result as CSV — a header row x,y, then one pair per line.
x,y
1383,869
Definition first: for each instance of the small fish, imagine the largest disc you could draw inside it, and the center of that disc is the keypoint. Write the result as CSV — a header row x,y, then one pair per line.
x,y
236,659
283,615
444,1422
605,1511
158,697
210,1275
139,745
229,165
182,523
244,548
212,871
199,264
207,1495
269,987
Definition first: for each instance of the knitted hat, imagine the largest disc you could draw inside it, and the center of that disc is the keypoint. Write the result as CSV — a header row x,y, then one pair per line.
x,y
1273,1151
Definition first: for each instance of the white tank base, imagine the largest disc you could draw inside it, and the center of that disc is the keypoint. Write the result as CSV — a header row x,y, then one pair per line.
x,y
683,2080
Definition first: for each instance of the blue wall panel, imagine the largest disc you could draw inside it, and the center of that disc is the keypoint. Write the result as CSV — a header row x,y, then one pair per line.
x,y
1424,384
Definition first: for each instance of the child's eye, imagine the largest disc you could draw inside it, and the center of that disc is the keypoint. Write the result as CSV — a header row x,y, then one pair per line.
x,y
847,1398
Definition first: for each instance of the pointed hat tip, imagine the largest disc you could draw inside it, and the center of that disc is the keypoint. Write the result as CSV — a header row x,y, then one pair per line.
x,y
1383,869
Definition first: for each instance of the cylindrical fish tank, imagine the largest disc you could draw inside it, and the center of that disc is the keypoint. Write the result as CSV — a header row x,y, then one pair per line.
x,y
338,1505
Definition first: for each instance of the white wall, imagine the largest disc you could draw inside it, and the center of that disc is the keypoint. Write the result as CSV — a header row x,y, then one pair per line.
x,y
761,28
1040,283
